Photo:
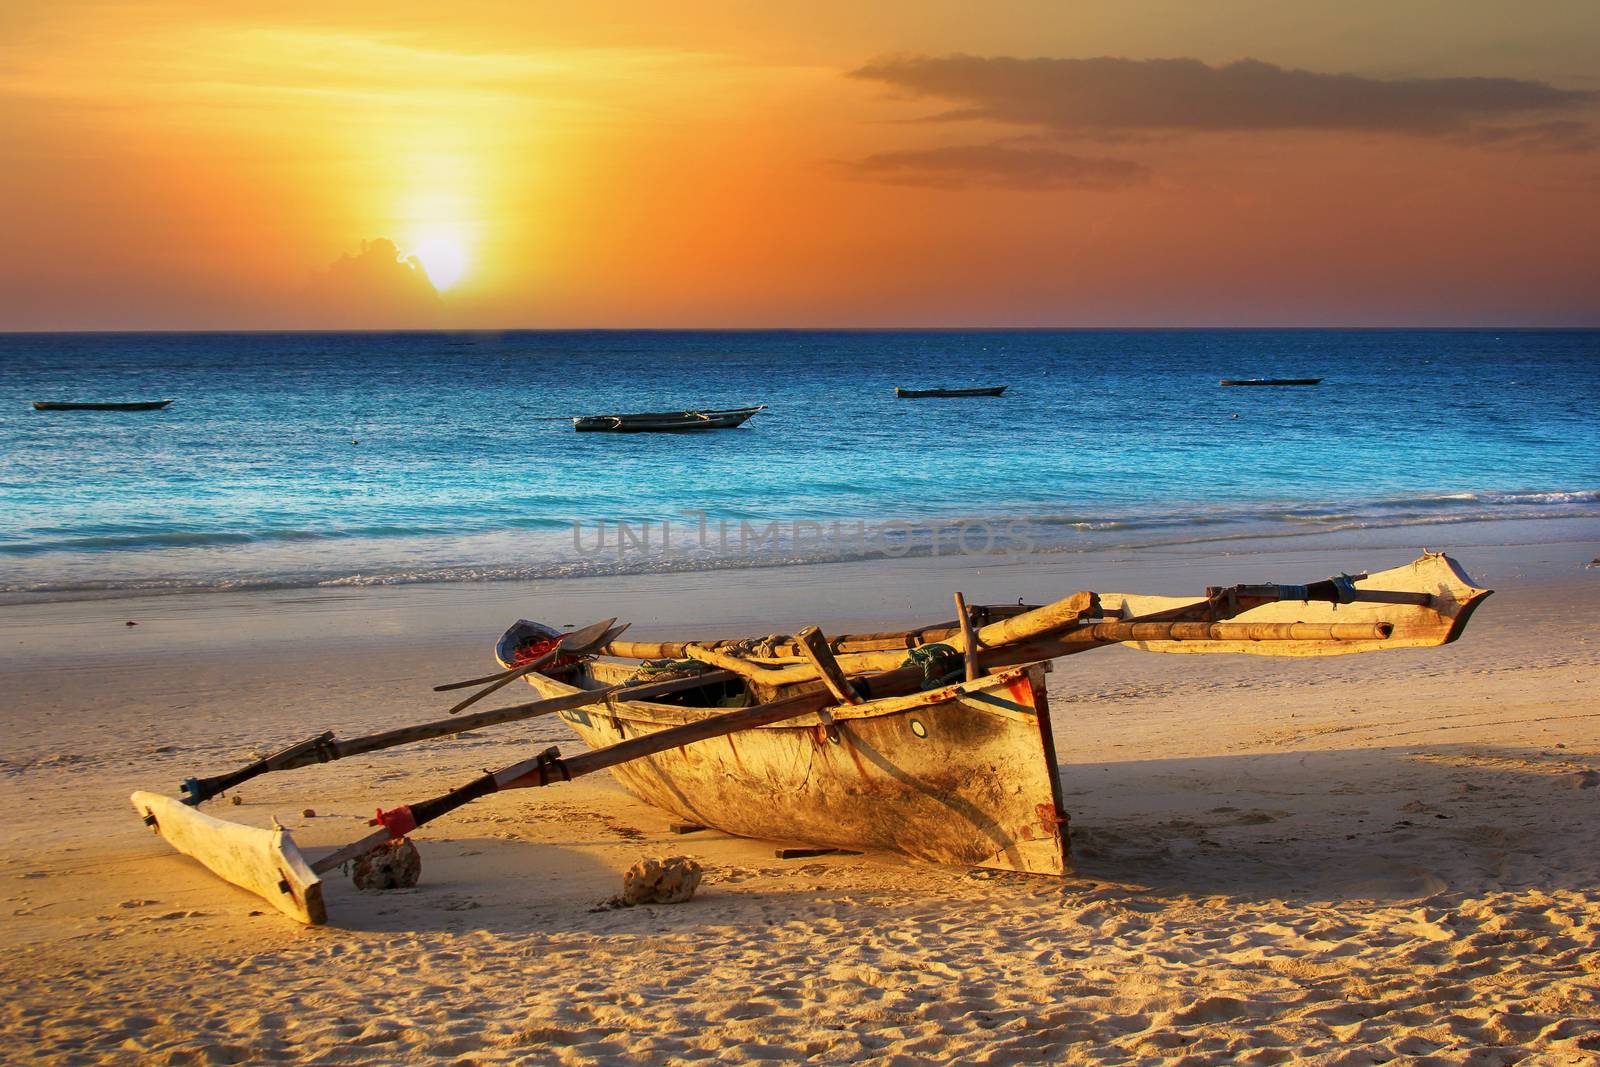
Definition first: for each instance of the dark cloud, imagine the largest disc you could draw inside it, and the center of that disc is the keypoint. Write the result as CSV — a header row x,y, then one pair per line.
x,y
999,165
1109,97
376,287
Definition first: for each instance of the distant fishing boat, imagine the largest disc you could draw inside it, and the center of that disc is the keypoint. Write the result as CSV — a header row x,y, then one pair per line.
x,y
1271,381
918,394
665,421
131,405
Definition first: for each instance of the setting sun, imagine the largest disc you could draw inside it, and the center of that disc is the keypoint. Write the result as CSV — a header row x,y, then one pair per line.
x,y
444,257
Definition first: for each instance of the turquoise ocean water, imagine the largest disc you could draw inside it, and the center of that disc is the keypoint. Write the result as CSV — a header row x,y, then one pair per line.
x,y
349,459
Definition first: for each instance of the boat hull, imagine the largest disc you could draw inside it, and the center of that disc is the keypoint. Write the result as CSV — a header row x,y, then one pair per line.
x,y
922,394
964,775
663,421
137,405
1270,381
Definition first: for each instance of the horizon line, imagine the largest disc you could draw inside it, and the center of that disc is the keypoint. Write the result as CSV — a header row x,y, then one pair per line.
x,y
785,329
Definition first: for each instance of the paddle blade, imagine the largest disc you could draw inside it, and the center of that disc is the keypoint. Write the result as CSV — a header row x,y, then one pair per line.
x,y
578,642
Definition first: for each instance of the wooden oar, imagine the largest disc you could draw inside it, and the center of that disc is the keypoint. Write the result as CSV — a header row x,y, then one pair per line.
x,y
324,749
572,644
594,634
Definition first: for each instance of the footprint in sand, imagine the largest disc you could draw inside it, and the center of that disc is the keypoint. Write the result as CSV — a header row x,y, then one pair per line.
x,y
1259,818
1212,1010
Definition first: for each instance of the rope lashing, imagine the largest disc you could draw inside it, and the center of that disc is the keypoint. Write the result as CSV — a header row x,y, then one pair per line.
x,y
940,664
661,670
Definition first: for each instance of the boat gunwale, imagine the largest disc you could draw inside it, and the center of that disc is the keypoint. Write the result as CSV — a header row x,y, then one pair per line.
x,y
665,715
678,714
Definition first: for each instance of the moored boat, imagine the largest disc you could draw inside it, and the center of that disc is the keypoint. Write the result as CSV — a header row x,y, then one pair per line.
x,y
963,774
72,405
665,421
919,394
1270,381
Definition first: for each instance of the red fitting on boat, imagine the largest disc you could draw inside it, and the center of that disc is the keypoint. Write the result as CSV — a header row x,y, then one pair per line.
x,y
398,821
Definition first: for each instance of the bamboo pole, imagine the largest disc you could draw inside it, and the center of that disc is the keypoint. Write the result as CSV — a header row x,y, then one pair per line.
x,y
1235,631
763,681
325,749
969,640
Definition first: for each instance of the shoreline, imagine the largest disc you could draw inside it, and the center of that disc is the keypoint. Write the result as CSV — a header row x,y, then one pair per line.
x,y
199,562
1196,539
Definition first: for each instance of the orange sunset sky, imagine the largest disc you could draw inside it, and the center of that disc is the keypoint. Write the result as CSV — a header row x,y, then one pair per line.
x,y
173,165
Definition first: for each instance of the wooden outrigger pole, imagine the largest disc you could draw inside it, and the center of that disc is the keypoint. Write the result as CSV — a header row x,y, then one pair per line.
x,y
1427,603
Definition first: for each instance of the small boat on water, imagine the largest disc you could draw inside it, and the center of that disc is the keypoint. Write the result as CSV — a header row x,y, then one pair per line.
x,y
665,421
131,405
919,394
1271,381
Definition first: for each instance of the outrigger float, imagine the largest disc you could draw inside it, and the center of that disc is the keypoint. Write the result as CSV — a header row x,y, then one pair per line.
x,y
933,742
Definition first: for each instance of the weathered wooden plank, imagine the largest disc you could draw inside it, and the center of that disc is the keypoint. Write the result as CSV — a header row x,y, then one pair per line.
x,y
263,862
814,647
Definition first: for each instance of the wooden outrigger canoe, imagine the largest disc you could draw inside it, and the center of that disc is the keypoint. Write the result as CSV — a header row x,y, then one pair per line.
x,y
124,405
866,741
665,421
962,774
921,394
875,781
1270,381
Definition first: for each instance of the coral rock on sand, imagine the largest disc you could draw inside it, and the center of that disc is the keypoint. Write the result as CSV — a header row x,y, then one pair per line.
x,y
392,865
661,881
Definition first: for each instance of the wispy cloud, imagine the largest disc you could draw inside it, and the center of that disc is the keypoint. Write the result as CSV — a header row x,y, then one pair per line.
x,y
999,165
1114,97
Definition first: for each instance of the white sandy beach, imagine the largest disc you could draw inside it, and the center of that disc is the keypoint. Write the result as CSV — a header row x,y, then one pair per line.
x,y
1363,859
